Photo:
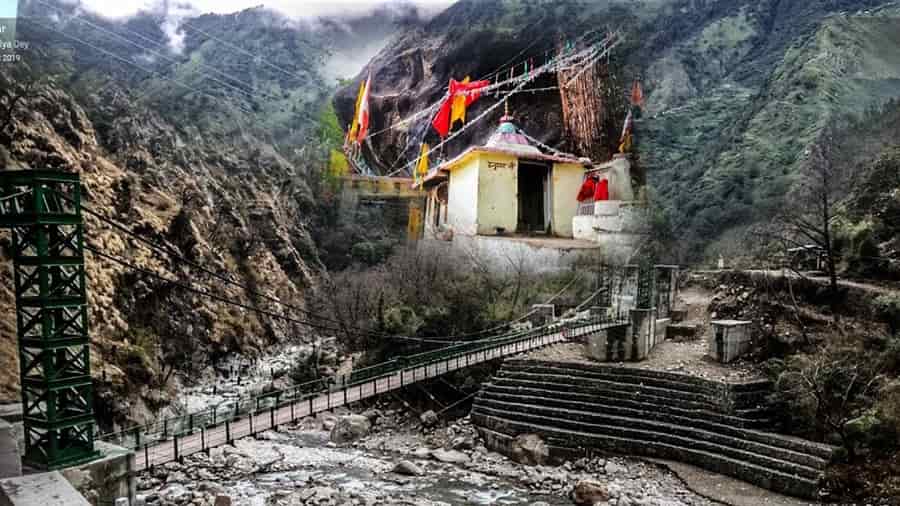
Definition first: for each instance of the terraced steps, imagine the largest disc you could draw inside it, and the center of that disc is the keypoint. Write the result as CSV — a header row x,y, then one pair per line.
x,y
653,413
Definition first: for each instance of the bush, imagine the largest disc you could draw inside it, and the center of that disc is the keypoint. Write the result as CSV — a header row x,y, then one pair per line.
x,y
888,309
830,394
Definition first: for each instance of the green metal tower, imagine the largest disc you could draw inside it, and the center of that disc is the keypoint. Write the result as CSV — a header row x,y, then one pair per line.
x,y
43,209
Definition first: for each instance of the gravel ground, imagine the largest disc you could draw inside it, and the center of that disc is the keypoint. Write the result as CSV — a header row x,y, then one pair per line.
x,y
299,466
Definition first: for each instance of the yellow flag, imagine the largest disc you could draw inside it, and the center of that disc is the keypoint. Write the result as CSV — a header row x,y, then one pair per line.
x,y
625,146
422,168
354,129
458,108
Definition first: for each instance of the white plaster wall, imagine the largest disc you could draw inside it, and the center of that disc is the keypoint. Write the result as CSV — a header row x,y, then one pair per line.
x,y
567,180
620,179
498,193
505,255
462,215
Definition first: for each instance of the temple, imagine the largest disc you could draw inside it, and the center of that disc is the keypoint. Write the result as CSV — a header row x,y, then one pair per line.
x,y
509,203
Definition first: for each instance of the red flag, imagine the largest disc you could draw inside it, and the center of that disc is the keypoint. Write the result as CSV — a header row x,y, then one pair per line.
x,y
637,94
602,191
363,118
587,190
441,122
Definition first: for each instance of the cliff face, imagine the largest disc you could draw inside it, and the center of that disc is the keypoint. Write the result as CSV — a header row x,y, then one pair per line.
x,y
214,151
735,91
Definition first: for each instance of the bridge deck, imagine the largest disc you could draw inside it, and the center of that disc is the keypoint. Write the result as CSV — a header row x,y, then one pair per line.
x,y
224,433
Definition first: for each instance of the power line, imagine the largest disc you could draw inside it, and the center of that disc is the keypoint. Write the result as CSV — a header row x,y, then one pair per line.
x,y
608,44
225,300
250,87
225,279
242,50
127,62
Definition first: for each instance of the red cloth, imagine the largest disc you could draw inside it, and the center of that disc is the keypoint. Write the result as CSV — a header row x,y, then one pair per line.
x,y
587,190
602,190
441,122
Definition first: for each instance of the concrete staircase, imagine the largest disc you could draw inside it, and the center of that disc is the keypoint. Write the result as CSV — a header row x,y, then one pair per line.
x,y
580,408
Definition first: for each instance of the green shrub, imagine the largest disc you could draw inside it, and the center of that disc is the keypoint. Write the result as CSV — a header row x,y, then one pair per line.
x,y
888,309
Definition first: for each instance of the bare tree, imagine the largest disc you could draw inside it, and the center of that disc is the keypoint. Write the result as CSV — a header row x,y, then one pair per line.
x,y
810,209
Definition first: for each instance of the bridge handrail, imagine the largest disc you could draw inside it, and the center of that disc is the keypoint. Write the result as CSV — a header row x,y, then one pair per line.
x,y
250,405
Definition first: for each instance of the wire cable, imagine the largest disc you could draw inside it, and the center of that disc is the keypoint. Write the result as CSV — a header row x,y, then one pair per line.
x,y
128,62
250,92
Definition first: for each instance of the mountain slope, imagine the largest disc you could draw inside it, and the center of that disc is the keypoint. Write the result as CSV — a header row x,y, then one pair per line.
x,y
735,91
214,150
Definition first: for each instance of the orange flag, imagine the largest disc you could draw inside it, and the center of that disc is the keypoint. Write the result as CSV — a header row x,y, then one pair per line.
x,y
637,94
363,118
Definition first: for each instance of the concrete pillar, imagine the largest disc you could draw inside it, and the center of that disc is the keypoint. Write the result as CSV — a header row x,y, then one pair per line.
x,y
599,311
643,333
543,314
10,460
730,339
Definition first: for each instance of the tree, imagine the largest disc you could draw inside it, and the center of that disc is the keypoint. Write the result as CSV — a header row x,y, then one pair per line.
x,y
810,209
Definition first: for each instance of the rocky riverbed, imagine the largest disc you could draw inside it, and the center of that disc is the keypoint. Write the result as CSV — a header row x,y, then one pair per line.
x,y
397,462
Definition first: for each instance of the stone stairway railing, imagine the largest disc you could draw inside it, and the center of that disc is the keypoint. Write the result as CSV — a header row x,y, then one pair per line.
x,y
580,408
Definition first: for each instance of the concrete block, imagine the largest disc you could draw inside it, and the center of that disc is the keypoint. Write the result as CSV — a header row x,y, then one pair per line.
x,y
729,340
107,478
612,344
122,501
44,489
543,314
10,459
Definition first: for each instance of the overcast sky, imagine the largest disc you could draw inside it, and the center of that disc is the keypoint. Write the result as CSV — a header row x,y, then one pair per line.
x,y
291,8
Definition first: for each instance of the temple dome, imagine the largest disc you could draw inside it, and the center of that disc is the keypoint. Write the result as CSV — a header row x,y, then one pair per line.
x,y
508,138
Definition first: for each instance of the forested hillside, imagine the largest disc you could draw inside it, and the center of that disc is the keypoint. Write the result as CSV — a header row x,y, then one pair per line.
x,y
736,91
210,143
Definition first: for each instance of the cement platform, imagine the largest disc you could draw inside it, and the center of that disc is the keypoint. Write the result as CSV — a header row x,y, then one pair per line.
x,y
44,489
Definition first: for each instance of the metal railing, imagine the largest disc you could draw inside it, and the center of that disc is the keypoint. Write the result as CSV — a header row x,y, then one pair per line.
x,y
171,438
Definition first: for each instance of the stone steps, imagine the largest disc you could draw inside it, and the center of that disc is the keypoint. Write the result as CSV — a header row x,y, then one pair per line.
x,y
734,396
617,391
683,331
634,403
711,424
748,450
497,431
625,373
813,454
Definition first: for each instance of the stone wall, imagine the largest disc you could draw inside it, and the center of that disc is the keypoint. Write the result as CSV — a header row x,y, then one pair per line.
x,y
106,479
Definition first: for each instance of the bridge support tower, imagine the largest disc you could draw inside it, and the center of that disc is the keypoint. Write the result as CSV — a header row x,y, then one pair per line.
x,y
43,210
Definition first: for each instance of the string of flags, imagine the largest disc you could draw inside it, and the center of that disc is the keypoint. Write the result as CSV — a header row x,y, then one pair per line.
x,y
452,108
636,101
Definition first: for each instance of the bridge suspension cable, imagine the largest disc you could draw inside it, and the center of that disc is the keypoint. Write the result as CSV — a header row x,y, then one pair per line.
x,y
338,326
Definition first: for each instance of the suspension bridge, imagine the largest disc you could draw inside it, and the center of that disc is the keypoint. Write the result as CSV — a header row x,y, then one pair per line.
x,y
44,212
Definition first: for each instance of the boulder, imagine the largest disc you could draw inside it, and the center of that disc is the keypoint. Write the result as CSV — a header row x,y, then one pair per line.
x,y
422,453
407,468
222,500
589,493
450,456
429,419
350,428
462,443
372,415
530,449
